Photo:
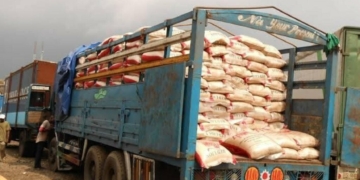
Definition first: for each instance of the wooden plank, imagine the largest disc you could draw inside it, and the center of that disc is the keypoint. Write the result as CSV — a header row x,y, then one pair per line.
x,y
34,116
144,48
136,68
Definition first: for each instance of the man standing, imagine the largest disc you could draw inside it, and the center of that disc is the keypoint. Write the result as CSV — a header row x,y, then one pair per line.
x,y
41,140
4,135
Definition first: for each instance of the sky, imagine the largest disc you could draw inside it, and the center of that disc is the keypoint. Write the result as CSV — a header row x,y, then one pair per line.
x,y
64,25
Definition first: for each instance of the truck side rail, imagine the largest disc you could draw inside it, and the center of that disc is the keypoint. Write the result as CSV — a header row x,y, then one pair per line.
x,y
313,109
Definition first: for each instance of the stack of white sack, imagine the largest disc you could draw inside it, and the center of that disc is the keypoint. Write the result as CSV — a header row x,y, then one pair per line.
x,y
242,100
154,55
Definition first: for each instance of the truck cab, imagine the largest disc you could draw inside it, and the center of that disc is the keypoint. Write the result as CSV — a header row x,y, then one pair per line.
x,y
25,113
26,100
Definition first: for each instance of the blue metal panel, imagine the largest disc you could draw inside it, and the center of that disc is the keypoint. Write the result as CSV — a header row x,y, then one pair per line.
x,y
289,87
270,23
329,104
11,118
350,155
1,102
192,91
100,118
161,116
310,107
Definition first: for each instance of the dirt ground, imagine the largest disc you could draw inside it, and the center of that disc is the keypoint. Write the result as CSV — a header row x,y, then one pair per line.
x,y
15,168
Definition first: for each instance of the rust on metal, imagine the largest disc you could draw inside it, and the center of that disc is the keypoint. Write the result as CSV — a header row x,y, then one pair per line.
x,y
70,158
355,139
136,68
354,114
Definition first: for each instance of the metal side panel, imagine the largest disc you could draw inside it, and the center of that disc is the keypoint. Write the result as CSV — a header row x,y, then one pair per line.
x,y
100,114
352,65
350,155
160,126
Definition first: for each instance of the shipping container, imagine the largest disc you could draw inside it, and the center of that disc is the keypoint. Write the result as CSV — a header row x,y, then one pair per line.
x,y
27,95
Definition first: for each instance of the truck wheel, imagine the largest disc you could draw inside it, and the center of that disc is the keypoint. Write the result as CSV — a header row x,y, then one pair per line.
x,y
26,148
114,167
53,161
94,163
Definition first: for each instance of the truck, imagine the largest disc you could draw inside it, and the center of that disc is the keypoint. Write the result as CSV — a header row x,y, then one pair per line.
x,y
26,99
148,130
1,101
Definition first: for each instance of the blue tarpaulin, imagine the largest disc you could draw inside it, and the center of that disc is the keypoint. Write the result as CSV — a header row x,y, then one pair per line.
x,y
65,79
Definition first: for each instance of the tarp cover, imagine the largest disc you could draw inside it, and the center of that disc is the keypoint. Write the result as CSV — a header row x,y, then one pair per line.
x,y
65,79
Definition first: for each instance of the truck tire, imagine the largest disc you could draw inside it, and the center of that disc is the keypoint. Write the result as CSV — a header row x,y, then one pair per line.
x,y
114,167
94,163
52,150
26,148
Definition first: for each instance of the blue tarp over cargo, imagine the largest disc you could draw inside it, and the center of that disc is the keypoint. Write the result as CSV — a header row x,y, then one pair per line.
x,y
65,79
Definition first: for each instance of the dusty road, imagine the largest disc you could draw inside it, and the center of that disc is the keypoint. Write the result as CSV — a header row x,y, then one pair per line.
x,y
16,168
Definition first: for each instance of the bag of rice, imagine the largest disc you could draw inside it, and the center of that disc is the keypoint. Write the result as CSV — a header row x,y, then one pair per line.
x,y
257,67
210,153
277,95
219,87
220,99
215,124
212,74
276,85
240,107
252,145
240,95
214,135
234,70
308,153
259,101
259,90
276,117
237,47
276,74
216,63
276,107
254,55
217,50
259,113
302,139
236,83
251,42
234,59
283,141
256,78
272,62
272,51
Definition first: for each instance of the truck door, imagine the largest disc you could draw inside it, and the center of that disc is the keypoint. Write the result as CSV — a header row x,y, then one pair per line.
x,y
160,130
350,154
350,145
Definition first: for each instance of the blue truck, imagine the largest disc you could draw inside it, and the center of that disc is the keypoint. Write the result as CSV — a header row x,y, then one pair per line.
x,y
148,130
26,99
1,102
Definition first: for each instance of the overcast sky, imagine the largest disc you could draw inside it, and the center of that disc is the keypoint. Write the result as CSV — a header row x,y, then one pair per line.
x,y
63,25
